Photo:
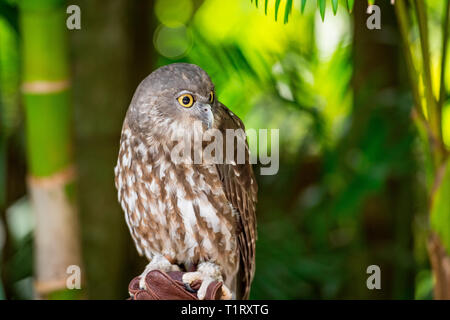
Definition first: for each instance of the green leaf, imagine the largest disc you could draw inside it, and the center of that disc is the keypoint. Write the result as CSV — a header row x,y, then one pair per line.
x,y
277,6
287,10
350,4
256,2
371,2
303,6
322,5
335,6
265,6
440,208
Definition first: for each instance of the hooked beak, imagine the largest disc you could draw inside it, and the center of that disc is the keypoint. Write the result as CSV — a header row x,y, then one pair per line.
x,y
206,115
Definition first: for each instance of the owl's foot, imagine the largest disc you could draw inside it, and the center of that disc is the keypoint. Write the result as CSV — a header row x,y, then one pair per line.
x,y
207,272
159,262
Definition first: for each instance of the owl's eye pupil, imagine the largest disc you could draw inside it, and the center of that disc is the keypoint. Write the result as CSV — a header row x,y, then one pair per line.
x,y
186,100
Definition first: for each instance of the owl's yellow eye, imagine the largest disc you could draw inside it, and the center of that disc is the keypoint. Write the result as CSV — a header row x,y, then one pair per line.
x,y
211,97
186,100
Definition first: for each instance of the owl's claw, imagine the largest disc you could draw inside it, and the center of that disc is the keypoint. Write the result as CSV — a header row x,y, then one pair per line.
x,y
207,272
158,262
187,286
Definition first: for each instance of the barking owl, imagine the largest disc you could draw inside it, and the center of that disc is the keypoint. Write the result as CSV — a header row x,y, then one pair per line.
x,y
187,214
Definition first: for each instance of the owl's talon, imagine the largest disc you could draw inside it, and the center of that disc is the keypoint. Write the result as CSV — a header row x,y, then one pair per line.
x,y
158,262
188,288
204,286
226,293
142,284
206,272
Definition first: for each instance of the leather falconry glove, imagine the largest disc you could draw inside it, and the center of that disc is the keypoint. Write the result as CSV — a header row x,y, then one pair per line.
x,y
169,286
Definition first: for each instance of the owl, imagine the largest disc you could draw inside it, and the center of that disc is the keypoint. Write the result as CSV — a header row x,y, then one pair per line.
x,y
187,215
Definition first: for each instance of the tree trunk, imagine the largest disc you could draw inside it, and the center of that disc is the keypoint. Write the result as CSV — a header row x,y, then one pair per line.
x,y
51,172
388,212
112,54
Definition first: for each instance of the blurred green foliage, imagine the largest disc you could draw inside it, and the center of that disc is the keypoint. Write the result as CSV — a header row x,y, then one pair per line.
x,y
351,190
298,77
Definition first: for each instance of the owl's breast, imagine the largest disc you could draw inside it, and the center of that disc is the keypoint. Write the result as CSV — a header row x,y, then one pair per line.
x,y
178,210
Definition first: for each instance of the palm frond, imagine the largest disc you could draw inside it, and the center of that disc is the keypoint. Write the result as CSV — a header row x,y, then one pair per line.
x,y
277,7
350,4
335,6
287,10
321,4
303,5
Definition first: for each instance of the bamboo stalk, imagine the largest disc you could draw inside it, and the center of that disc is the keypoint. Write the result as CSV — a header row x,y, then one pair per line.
x,y
48,114
432,104
413,77
439,258
412,73
445,27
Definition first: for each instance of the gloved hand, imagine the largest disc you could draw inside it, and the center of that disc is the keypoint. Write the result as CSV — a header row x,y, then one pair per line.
x,y
169,286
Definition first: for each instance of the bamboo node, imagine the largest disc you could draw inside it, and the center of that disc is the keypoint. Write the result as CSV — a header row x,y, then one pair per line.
x,y
43,288
57,179
42,87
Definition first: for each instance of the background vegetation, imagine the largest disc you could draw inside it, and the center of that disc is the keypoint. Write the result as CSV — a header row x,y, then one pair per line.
x,y
359,168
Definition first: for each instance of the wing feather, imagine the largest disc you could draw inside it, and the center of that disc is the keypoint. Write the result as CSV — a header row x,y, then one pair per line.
x,y
240,187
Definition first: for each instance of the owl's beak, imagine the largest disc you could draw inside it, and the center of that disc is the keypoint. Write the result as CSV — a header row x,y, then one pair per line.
x,y
206,114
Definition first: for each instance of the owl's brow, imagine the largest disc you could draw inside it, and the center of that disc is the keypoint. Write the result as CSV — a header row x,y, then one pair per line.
x,y
185,91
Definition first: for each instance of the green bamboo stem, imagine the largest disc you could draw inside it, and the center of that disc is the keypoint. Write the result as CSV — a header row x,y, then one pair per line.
x,y
432,126
412,73
48,115
438,256
432,105
445,29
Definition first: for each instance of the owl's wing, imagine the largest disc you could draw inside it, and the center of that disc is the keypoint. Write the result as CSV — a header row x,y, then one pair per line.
x,y
240,188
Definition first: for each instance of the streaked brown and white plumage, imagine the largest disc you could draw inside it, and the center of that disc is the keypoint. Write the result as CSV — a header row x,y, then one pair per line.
x,y
187,213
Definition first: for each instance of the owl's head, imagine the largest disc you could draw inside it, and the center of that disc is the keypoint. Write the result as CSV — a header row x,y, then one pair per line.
x,y
173,97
